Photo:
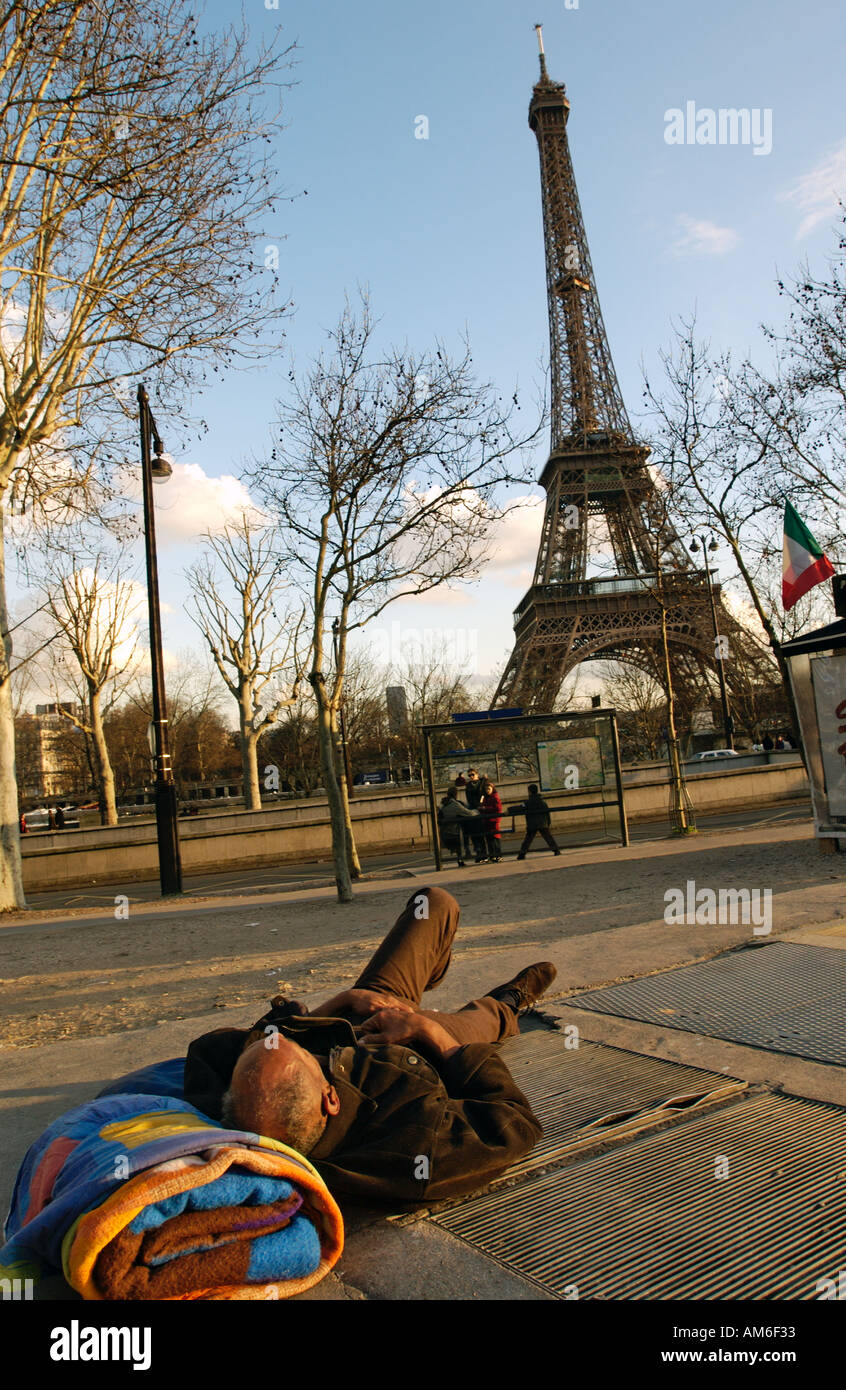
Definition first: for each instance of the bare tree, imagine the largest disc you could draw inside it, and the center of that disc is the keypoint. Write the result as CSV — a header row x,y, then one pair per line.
x,y
133,169
805,392
94,611
636,695
291,745
365,719
253,648
202,746
386,479
723,467
435,688
127,736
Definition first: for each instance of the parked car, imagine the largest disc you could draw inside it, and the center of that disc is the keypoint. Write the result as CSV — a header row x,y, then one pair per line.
x,y
40,819
712,754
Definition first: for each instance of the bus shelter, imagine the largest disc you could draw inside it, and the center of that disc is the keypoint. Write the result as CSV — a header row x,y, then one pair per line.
x,y
573,758
816,663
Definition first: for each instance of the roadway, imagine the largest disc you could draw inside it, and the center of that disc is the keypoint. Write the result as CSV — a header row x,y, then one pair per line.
x,y
318,872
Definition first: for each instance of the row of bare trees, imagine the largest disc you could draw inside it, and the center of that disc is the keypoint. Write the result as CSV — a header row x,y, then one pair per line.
x,y
109,753
203,744
134,180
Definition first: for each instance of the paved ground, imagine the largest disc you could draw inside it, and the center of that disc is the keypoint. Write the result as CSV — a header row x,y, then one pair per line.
x,y
597,913
319,871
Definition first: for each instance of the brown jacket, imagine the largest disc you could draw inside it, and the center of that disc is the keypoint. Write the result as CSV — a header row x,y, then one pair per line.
x,y
409,1129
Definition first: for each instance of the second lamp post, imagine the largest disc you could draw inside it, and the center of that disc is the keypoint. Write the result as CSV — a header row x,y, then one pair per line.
x,y
697,543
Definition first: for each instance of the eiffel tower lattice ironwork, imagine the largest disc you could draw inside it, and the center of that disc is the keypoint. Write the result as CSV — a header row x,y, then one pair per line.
x,y
597,472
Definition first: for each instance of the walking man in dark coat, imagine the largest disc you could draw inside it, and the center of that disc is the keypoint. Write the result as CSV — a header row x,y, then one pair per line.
x,y
391,1101
536,811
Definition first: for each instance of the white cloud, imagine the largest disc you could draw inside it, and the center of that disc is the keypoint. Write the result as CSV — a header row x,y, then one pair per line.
x,y
12,325
515,539
818,192
191,503
699,237
445,596
512,540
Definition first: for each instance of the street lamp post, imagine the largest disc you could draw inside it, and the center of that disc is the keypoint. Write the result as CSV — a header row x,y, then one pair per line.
x,y
728,723
154,465
336,623
682,817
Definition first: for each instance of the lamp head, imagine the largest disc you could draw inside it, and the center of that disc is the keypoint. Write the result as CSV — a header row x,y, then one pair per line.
x,y
161,465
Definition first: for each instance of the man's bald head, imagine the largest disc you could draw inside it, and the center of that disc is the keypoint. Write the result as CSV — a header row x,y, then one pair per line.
x,y
278,1089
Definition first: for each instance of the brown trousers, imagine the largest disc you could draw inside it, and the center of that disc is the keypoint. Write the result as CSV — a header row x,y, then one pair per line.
x,y
414,958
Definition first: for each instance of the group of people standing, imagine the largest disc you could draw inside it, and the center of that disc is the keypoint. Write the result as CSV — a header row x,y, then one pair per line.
x,y
474,828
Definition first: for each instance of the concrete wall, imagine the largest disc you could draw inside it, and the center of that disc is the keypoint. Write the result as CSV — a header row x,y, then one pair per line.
x,y
388,821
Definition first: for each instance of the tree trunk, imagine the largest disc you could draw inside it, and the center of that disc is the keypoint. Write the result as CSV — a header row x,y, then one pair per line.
x,y
353,862
102,764
11,880
249,763
334,798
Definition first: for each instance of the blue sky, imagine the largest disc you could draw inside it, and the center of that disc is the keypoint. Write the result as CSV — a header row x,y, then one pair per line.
x,y
446,231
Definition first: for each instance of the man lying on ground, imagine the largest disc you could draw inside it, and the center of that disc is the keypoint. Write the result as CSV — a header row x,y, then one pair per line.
x,y
391,1102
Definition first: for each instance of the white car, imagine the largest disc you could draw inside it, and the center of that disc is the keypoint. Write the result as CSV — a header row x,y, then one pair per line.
x,y
39,819
713,754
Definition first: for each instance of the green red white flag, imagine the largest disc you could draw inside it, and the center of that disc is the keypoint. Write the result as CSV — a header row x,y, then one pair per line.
x,y
804,564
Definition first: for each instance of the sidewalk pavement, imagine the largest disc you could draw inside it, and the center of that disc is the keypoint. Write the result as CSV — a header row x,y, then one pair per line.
x,y
420,1261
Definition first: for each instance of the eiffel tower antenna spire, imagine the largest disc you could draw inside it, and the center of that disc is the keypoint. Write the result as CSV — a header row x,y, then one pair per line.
x,y
541,52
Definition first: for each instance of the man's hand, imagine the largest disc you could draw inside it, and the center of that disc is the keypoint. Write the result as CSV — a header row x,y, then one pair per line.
x,y
390,1025
405,1027
361,1002
365,1002
292,1006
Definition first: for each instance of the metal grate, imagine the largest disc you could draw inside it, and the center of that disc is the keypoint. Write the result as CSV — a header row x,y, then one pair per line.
x,y
585,1094
784,997
651,1220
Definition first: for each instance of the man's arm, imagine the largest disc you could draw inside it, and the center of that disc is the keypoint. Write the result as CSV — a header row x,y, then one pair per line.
x,y
410,1029
487,1123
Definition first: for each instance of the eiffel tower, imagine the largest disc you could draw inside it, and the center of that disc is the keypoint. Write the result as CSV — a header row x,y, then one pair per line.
x,y
597,474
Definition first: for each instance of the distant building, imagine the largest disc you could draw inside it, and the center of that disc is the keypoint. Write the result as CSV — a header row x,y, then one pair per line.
x,y
397,704
49,753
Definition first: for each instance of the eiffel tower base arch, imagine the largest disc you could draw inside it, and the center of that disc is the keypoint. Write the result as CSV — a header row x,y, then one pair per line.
x,y
553,636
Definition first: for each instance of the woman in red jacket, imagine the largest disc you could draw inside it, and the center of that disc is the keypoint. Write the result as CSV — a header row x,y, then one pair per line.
x,y
491,810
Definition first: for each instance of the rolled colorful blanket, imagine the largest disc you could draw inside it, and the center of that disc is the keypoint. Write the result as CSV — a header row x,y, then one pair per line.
x,y
144,1197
